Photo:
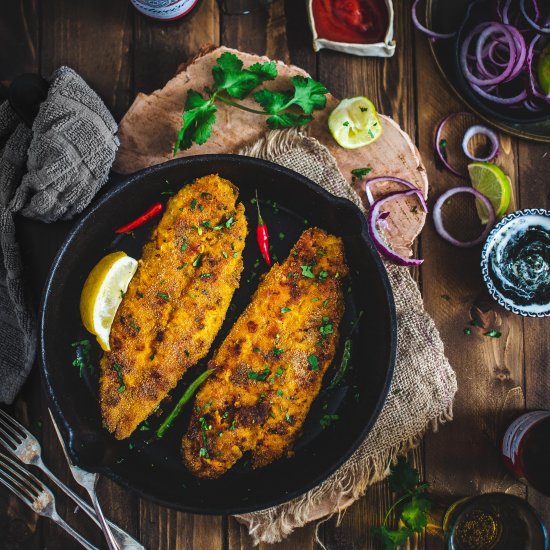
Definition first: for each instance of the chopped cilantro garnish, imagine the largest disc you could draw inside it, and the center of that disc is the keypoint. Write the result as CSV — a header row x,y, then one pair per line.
x,y
233,424
323,275
445,297
163,296
261,375
205,275
493,333
82,360
285,309
203,452
361,172
224,254
280,393
133,325
139,294
197,262
193,204
230,222
184,246
468,331
281,236
289,418
325,330
327,420
313,362
277,351
118,369
306,271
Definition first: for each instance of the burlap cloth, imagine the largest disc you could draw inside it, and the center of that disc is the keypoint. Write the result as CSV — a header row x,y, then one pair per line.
x,y
423,387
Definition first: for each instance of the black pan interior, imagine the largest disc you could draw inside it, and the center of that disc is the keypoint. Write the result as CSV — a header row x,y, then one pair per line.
x,y
290,203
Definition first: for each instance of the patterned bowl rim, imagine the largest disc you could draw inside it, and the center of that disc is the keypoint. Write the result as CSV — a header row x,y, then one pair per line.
x,y
518,310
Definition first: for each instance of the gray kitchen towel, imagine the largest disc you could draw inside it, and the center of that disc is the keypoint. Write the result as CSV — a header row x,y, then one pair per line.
x,y
48,173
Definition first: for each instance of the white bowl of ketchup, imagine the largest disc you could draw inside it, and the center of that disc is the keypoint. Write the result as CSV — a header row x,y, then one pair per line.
x,y
359,27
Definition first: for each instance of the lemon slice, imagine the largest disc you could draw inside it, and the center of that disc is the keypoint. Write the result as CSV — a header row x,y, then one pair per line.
x,y
354,123
102,293
492,182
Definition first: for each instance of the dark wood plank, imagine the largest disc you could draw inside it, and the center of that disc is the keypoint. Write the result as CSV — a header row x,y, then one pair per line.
x,y
463,458
159,49
534,167
94,38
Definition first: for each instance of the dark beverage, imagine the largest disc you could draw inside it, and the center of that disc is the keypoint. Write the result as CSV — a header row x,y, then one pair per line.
x,y
526,449
495,521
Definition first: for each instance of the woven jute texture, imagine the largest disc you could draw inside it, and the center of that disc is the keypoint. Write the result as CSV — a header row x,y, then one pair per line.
x,y
423,387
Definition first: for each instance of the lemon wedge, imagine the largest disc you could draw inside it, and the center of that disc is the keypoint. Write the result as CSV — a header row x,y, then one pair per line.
x,y
354,123
102,293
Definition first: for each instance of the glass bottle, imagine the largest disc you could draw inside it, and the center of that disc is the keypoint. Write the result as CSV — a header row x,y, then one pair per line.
x,y
165,10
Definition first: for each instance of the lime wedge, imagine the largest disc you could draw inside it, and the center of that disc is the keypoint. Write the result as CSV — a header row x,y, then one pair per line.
x,y
492,182
354,123
543,70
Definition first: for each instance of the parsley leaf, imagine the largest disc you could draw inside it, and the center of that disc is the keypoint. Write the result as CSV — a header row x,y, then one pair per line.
x,y
414,513
288,120
392,538
198,118
403,477
361,172
308,94
313,362
306,271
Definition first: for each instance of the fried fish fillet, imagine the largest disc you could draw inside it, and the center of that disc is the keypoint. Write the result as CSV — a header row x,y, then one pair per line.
x,y
270,367
175,303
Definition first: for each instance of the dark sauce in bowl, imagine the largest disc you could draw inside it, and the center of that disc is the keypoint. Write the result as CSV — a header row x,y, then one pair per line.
x,y
517,257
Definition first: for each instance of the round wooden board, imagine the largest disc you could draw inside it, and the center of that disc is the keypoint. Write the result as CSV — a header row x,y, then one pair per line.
x,y
147,133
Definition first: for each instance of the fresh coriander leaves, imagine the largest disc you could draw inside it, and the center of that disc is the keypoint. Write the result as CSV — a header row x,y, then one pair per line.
x,y
232,81
411,504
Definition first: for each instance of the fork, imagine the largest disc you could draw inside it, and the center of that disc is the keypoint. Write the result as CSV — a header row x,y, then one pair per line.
x,y
88,480
24,446
35,495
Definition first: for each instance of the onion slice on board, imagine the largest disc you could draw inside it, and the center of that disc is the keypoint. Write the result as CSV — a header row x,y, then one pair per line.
x,y
440,154
375,215
438,218
483,130
369,183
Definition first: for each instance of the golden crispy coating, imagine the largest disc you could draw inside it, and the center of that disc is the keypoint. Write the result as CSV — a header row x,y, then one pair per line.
x,y
176,302
270,367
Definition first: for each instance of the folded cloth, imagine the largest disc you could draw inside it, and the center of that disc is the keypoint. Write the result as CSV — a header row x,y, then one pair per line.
x,y
48,173
423,385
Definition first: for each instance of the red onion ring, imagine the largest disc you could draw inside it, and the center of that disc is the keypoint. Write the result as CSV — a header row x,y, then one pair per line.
x,y
438,221
440,155
545,29
379,243
432,34
369,183
483,130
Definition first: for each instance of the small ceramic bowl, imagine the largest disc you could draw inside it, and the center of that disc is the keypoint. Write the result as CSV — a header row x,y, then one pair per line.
x,y
378,49
496,261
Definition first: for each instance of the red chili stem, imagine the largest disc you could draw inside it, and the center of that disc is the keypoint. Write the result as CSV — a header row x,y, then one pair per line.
x,y
262,236
153,211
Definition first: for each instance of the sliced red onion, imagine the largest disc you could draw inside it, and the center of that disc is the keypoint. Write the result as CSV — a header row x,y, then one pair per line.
x,y
438,218
373,181
483,130
501,100
432,34
545,29
440,154
375,215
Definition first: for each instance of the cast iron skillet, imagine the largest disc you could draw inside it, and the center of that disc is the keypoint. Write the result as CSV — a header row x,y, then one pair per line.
x,y
152,468
447,16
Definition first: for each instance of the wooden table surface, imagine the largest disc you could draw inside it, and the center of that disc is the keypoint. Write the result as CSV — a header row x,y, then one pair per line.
x,y
119,53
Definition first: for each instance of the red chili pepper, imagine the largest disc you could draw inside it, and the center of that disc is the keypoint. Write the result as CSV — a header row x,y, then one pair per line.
x,y
262,236
155,210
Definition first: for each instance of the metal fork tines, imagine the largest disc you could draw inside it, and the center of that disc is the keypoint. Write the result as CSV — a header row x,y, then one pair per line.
x,y
35,495
24,446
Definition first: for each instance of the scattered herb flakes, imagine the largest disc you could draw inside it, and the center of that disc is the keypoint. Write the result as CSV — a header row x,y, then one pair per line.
x,y
327,420
197,262
205,275
230,222
285,309
144,427
315,299
139,294
325,302
468,331
256,263
445,297
306,271
493,333
122,294
235,254
345,123
82,360
414,209
360,173
321,252
133,325
193,204
206,223
253,200
313,362
280,393
180,267
184,246
325,330
233,424
277,351
203,453
289,418
153,355
130,446
323,275
256,350
118,369
163,296
281,236
475,323
224,254
279,372
261,375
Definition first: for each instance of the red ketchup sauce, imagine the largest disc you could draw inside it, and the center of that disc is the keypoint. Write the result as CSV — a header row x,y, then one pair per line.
x,y
354,21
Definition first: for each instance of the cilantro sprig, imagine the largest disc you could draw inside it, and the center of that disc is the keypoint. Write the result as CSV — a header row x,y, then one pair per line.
x,y
411,504
284,109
